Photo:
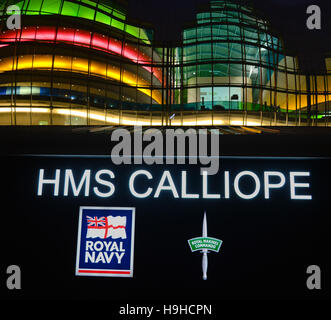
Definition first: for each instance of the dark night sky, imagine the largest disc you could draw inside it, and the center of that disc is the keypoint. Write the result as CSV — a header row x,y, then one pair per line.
x,y
287,16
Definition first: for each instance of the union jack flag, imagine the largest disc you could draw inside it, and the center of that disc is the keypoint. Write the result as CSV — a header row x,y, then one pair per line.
x,y
96,222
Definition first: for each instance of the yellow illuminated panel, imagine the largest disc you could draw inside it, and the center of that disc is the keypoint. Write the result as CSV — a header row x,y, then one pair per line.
x,y
81,66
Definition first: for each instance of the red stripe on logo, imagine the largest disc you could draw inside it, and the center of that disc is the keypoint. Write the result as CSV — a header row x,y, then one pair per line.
x,y
104,271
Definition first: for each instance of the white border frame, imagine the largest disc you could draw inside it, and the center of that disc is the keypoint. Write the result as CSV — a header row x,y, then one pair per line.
x,y
77,273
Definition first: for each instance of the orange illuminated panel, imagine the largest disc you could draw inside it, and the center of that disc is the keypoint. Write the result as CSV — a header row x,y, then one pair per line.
x,y
81,66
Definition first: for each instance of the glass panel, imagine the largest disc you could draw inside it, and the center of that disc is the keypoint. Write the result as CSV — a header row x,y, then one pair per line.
x,y
206,98
91,3
203,17
235,51
52,6
250,34
221,98
35,5
282,100
291,103
100,17
19,4
221,73
118,15
117,24
220,50
205,71
189,34
190,74
234,32
106,9
235,99
204,33
320,83
86,13
70,9
190,53
236,71
204,51
131,30
291,81
251,53
220,32
281,80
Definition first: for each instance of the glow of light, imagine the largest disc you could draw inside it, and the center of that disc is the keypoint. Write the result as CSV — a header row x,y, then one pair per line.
x,y
84,114
218,122
20,109
186,123
205,122
245,123
103,117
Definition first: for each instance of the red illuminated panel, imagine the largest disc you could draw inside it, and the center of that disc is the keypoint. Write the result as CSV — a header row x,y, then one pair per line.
x,y
9,36
28,33
46,34
83,38
80,38
65,34
100,42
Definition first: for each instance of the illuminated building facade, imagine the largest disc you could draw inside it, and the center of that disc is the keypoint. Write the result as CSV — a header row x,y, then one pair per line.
x,y
84,62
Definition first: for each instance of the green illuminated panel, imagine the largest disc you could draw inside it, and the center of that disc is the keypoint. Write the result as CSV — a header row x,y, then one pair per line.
x,y
86,13
203,17
119,25
93,4
106,9
132,30
102,18
52,6
35,5
70,9
204,33
26,2
118,15
20,4
143,35
190,34
220,32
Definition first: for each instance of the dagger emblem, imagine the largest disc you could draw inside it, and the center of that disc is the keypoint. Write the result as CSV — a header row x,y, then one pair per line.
x,y
205,244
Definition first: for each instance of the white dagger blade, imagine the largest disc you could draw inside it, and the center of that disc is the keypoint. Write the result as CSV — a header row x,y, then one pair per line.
x,y
204,251
204,227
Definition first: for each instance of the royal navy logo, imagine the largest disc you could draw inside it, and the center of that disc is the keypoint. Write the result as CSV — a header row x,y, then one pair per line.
x,y
105,245
205,244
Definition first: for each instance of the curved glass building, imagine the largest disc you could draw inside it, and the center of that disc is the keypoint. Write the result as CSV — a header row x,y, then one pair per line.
x,y
84,62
